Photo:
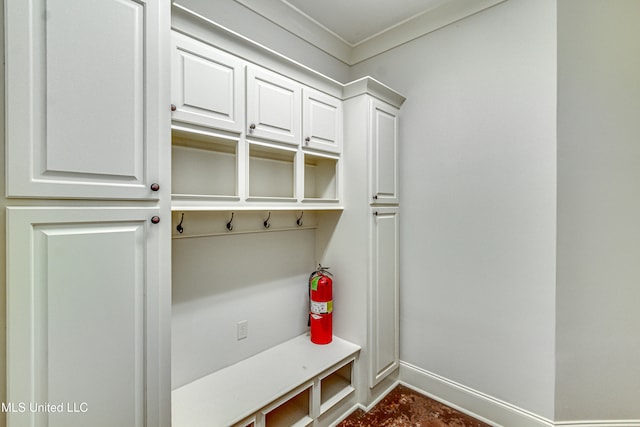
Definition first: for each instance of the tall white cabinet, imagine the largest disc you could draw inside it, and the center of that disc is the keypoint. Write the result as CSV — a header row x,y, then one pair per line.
x,y
88,181
363,250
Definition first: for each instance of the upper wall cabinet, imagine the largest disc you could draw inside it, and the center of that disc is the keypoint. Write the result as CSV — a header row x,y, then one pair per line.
x,y
84,105
250,137
274,106
207,85
384,140
322,121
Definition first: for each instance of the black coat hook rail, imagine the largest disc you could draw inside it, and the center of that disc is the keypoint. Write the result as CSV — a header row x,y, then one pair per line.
x,y
179,227
230,223
210,224
266,222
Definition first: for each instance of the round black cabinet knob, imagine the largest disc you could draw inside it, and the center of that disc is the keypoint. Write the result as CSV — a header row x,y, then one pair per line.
x,y
155,219
155,186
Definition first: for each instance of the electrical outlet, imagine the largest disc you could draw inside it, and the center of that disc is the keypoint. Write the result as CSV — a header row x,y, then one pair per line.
x,y
243,329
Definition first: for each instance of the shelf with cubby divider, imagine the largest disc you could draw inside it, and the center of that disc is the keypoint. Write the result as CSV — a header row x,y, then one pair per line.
x,y
204,166
320,178
271,173
293,410
336,385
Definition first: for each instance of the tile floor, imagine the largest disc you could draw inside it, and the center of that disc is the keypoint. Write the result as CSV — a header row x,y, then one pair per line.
x,y
403,407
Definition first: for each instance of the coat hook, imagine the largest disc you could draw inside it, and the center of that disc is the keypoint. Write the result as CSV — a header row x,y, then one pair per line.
x,y
179,227
266,222
230,223
299,220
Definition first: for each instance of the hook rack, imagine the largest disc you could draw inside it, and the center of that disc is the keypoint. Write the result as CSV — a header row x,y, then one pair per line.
x,y
230,223
179,227
266,222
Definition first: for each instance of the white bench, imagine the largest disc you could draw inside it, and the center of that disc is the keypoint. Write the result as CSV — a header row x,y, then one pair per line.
x,y
289,384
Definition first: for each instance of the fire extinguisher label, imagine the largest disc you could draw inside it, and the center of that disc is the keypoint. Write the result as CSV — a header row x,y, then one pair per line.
x,y
321,307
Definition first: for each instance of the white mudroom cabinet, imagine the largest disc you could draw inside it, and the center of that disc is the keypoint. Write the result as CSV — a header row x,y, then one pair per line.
x,y
364,247
170,186
88,213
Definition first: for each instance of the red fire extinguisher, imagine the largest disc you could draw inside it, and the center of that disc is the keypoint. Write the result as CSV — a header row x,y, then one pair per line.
x,y
321,306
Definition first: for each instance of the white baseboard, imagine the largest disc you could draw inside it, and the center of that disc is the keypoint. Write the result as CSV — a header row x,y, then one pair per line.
x,y
484,407
464,399
476,404
614,423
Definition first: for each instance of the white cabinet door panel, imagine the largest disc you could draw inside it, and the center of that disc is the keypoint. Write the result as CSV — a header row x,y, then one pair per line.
x,y
322,121
274,106
81,330
83,113
384,304
207,85
384,139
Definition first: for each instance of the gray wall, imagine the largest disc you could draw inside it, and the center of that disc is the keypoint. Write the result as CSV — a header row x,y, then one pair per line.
x,y
478,188
598,315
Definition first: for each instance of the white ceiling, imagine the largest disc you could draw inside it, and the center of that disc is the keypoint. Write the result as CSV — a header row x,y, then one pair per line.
x,y
355,21
355,30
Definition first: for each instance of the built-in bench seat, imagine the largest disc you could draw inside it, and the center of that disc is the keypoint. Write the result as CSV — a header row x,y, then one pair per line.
x,y
295,381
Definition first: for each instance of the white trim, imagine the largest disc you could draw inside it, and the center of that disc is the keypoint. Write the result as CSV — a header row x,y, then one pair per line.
x,y
200,27
371,405
301,25
347,413
610,423
484,407
444,14
469,401
494,410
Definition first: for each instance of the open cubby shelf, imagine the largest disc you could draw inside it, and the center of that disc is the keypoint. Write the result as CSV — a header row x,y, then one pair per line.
x,y
320,177
271,172
293,411
214,170
204,165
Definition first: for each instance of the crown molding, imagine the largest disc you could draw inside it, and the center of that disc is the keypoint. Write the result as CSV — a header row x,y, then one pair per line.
x,y
303,26
431,20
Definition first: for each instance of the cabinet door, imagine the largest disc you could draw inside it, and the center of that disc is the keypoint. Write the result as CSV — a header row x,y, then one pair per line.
x,y
384,140
322,121
207,85
87,104
82,320
384,304
274,106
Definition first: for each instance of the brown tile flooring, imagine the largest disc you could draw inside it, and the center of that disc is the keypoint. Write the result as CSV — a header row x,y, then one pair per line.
x,y
403,407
